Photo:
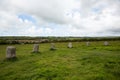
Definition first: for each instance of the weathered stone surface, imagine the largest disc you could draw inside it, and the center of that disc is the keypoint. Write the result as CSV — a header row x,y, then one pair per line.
x,y
106,43
70,45
10,52
36,48
52,46
88,43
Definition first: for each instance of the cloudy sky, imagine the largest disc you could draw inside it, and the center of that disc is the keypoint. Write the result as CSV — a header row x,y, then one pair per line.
x,y
60,18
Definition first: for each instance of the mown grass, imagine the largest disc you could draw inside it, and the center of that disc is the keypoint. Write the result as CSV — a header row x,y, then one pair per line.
x,y
94,62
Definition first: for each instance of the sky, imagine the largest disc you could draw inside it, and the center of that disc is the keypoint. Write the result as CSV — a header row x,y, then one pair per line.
x,y
60,18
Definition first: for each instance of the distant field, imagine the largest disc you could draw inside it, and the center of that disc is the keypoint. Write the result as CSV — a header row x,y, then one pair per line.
x,y
94,62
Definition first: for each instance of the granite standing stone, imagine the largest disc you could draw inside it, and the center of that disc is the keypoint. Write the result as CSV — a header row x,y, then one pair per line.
x,y
52,46
106,43
88,43
36,48
69,45
10,52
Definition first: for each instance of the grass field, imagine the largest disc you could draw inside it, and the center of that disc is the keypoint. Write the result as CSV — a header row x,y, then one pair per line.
x,y
94,62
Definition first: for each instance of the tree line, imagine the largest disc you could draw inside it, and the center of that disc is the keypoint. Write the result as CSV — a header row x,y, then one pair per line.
x,y
32,40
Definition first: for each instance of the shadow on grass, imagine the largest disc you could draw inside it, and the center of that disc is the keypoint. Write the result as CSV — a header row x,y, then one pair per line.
x,y
35,52
11,59
51,49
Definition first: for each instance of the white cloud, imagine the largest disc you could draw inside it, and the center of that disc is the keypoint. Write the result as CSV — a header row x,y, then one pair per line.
x,y
48,30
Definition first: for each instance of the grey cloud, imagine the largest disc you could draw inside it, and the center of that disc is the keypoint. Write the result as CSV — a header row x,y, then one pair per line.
x,y
114,30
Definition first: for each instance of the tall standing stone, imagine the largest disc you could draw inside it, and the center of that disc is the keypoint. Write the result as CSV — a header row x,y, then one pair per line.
x,y
88,43
10,52
106,43
36,48
69,45
52,46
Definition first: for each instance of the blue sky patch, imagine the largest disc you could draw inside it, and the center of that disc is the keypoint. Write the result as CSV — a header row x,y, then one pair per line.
x,y
26,17
96,10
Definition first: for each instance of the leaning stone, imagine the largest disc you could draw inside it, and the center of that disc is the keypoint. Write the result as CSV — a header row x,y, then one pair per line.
x,y
52,46
106,43
36,48
69,45
10,52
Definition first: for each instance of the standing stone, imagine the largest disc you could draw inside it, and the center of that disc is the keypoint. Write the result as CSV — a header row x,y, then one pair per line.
x,y
69,45
10,52
52,46
106,43
88,43
36,48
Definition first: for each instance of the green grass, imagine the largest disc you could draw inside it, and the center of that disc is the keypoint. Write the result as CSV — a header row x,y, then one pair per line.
x,y
94,62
